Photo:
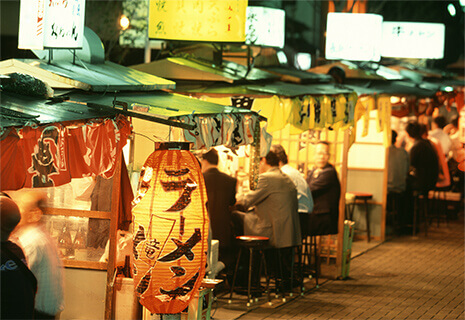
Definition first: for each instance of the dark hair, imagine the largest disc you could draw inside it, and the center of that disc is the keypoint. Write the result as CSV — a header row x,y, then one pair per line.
x,y
280,153
413,129
423,129
455,121
393,137
211,156
440,121
272,159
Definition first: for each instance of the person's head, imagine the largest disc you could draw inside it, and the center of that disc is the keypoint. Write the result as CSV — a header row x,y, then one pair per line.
x,y
209,159
454,121
271,160
280,153
393,137
413,130
31,205
321,154
10,216
439,122
423,131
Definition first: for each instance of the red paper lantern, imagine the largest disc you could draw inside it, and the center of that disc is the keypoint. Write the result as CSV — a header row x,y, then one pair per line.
x,y
170,229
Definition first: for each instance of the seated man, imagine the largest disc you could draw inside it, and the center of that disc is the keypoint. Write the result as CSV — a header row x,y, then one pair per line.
x,y
326,190
274,215
274,205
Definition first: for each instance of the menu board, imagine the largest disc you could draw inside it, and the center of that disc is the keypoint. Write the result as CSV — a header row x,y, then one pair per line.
x,y
265,27
198,20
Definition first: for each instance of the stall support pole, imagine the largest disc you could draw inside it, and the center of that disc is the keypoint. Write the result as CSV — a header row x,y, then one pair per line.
x,y
342,202
111,266
383,205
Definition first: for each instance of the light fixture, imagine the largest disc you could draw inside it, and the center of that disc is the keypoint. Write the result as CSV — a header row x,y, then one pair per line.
x,y
451,9
448,89
303,61
281,57
124,22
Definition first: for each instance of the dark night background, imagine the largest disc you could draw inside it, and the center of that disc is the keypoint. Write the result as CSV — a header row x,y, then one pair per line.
x,y
303,32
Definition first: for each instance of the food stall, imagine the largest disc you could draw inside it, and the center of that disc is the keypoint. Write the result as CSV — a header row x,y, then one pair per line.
x,y
90,117
289,108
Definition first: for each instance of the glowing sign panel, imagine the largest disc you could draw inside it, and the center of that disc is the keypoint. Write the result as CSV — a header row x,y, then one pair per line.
x,y
199,20
265,27
353,36
413,40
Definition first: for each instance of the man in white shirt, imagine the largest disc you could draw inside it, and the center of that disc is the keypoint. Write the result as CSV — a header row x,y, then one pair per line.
x,y
437,132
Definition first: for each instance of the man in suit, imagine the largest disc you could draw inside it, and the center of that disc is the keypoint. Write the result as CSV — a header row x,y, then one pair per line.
x,y
326,190
274,206
221,193
273,213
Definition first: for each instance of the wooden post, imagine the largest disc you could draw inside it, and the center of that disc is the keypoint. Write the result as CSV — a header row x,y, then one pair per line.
x,y
342,201
111,266
384,200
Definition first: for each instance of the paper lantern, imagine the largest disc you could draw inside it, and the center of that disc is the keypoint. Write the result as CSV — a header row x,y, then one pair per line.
x,y
170,229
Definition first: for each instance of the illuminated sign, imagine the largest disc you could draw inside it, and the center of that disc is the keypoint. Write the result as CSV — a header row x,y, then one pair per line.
x,y
265,27
353,36
199,20
413,40
51,24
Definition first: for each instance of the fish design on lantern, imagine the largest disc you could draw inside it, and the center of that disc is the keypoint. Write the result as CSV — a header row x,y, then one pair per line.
x,y
172,222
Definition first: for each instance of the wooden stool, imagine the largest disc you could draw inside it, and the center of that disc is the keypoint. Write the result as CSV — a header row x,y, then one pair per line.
x,y
420,209
251,243
360,196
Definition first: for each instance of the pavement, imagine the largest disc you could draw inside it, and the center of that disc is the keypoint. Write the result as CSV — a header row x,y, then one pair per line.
x,y
406,277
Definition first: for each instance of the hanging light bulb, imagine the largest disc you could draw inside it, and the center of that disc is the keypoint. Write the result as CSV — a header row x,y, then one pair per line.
x,y
124,22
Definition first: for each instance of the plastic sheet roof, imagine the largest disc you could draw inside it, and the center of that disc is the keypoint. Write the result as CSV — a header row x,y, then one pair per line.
x,y
90,77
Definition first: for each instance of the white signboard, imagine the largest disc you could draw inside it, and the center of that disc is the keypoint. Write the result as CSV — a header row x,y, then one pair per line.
x,y
353,36
51,24
265,27
31,24
413,40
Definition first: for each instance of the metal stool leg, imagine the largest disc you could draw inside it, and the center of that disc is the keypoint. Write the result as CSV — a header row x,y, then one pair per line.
x,y
249,283
235,275
367,219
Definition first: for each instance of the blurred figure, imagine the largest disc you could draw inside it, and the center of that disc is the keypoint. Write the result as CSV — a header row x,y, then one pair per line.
x,y
437,132
398,167
424,161
398,164
304,195
326,190
221,192
41,254
18,284
443,173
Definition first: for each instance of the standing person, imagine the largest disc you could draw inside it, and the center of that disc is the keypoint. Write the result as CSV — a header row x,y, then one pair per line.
x,y
304,195
437,132
18,284
326,190
42,255
221,193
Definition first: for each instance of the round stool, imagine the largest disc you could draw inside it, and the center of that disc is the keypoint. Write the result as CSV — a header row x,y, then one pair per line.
x,y
251,243
364,197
